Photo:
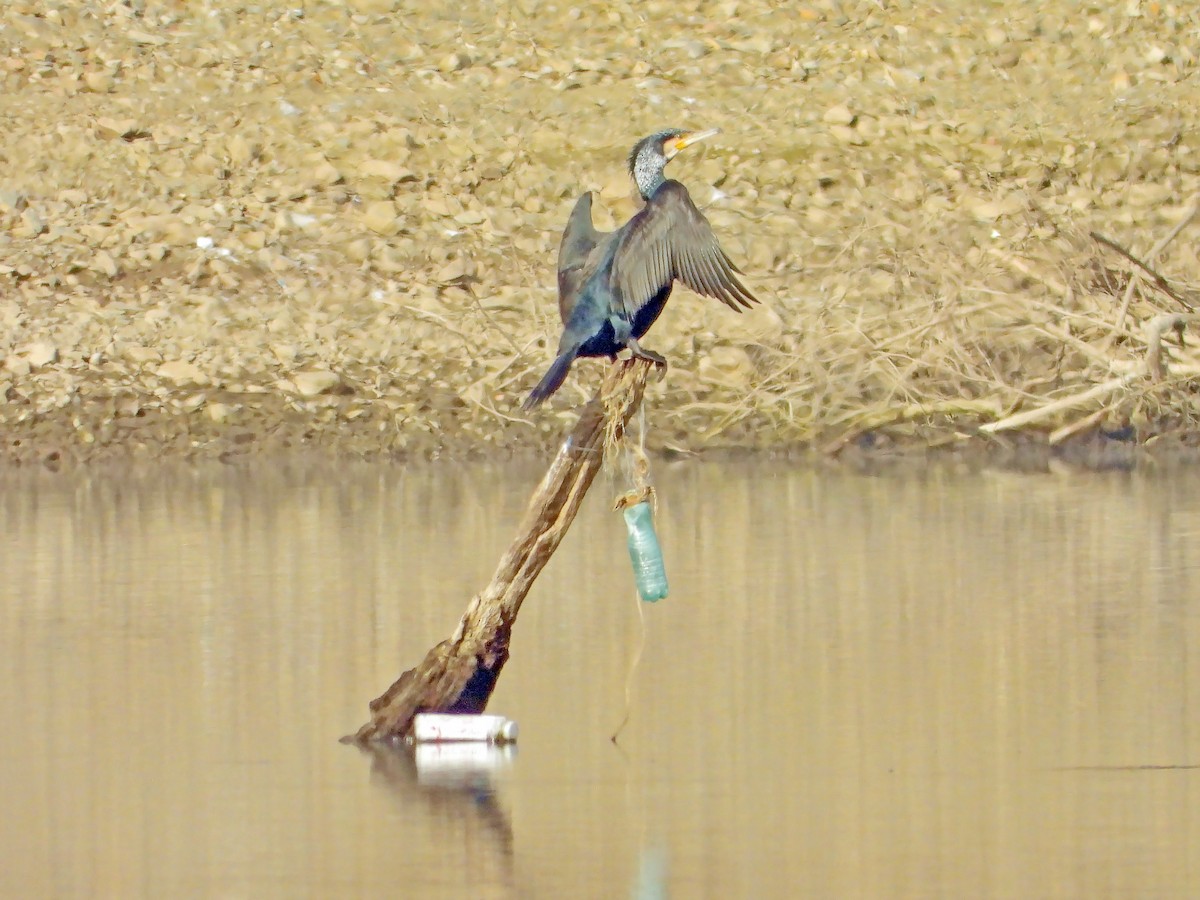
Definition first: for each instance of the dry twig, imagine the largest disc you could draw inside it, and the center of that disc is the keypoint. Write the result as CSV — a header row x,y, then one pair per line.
x,y
1159,281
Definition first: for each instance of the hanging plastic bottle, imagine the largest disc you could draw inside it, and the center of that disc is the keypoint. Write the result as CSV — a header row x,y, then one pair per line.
x,y
645,552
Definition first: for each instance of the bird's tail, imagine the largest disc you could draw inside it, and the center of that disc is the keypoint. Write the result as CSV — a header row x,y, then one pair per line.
x,y
553,378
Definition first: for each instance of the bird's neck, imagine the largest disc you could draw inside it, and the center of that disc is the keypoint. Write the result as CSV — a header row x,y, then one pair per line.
x,y
648,175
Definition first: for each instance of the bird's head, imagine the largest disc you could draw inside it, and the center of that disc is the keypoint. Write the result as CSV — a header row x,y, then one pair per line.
x,y
651,154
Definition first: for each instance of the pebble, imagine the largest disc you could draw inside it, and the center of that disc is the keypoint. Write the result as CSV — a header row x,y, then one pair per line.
x,y
12,201
380,217
239,150
469,217
40,353
387,170
991,209
104,263
99,82
182,374
454,62
140,355
847,135
17,365
325,174
218,413
456,271
838,115
359,249
110,128
314,383
31,224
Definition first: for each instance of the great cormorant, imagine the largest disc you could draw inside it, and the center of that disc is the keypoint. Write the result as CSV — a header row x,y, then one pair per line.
x,y
612,286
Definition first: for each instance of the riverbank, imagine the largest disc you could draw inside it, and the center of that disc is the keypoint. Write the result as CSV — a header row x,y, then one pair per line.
x,y
230,231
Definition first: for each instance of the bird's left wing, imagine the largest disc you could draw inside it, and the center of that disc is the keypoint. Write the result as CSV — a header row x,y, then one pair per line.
x,y
669,239
579,239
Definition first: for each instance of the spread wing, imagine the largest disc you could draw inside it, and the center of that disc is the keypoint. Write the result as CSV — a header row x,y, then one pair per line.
x,y
669,239
578,241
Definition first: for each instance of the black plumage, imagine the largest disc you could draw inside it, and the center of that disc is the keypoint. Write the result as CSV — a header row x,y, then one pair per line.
x,y
612,286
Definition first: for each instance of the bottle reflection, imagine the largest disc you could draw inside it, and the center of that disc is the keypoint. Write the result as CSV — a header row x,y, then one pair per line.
x,y
451,785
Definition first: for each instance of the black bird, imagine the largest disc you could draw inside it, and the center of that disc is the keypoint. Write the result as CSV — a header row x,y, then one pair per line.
x,y
613,285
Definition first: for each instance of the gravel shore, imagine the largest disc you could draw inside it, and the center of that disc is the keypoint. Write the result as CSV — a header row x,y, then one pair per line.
x,y
230,228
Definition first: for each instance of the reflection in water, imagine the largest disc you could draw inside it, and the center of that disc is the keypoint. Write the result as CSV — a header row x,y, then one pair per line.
x,y
450,787
652,877
911,685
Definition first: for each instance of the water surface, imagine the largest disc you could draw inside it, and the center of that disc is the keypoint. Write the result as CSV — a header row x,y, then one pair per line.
x,y
908,685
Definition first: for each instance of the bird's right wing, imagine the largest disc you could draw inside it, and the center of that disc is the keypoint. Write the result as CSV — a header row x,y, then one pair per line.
x,y
670,239
579,239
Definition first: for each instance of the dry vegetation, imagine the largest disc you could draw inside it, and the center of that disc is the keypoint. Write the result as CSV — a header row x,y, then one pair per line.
x,y
229,227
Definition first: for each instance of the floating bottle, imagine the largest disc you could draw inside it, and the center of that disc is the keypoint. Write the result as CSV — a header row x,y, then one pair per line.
x,y
439,727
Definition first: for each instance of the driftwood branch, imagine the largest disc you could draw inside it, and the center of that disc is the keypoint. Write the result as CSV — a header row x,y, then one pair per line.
x,y
459,674
1152,365
1029,416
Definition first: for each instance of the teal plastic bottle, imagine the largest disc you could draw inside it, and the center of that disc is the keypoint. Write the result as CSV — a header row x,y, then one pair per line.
x,y
645,552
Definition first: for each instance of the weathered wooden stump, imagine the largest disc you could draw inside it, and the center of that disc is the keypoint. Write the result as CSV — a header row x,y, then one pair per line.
x,y
459,674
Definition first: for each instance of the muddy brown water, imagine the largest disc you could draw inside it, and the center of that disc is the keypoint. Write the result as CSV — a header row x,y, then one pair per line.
x,y
904,685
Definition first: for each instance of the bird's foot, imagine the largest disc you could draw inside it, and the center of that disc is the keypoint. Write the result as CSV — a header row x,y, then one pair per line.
x,y
640,352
